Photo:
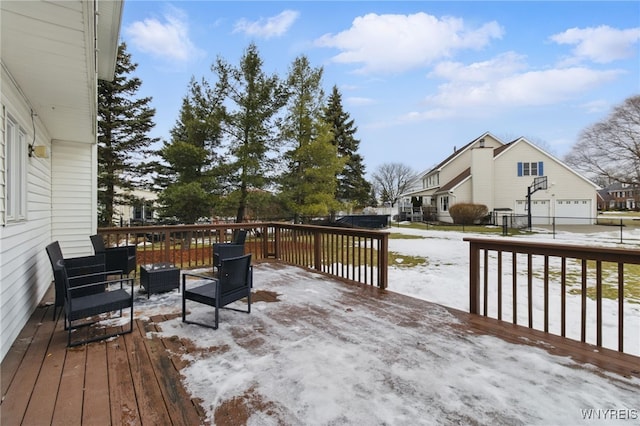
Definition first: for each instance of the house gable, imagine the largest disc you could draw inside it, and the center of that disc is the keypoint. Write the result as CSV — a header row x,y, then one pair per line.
x,y
564,185
498,175
452,166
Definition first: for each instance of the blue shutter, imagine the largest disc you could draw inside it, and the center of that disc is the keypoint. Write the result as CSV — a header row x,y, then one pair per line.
x,y
519,168
540,169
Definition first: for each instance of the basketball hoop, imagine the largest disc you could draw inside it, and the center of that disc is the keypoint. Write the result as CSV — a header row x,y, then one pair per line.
x,y
539,183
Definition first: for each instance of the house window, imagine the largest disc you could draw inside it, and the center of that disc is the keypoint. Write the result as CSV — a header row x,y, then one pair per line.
x,y
444,203
531,168
16,161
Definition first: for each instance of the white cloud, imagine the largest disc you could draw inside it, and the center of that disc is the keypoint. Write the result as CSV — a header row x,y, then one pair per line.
x,y
503,65
359,101
597,107
505,82
602,44
395,43
168,40
267,27
530,88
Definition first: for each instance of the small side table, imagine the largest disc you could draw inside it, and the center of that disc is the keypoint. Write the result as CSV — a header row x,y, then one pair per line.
x,y
159,277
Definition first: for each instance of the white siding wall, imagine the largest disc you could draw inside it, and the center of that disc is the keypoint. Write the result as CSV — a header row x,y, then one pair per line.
x,y
482,177
74,204
3,123
562,182
25,272
69,216
461,194
462,162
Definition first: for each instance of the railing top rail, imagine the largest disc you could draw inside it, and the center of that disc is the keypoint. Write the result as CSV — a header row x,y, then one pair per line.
x,y
313,228
332,229
609,254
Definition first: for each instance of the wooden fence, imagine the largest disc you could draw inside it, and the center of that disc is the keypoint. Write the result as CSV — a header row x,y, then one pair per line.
x,y
552,273
352,254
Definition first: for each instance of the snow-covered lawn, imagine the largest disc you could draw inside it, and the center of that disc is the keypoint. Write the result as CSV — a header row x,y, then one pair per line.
x,y
444,279
324,353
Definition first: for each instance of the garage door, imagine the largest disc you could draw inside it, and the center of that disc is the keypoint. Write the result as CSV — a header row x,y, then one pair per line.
x,y
540,212
573,212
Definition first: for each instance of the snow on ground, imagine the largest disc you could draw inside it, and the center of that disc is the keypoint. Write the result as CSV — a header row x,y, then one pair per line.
x,y
444,279
313,359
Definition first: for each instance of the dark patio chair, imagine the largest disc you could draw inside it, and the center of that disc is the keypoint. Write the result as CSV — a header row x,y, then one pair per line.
x,y
91,267
81,305
234,283
117,258
239,236
223,251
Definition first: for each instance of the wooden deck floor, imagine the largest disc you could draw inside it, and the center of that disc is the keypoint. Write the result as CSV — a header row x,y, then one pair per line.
x,y
131,379
135,379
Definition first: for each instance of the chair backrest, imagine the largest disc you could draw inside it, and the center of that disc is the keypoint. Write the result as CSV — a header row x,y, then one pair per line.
x,y
234,276
239,236
55,255
98,243
74,267
223,251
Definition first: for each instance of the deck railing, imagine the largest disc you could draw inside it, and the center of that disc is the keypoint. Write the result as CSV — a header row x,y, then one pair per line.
x,y
572,291
352,254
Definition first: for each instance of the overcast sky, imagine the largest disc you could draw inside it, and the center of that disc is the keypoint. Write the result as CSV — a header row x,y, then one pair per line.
x,y
418,78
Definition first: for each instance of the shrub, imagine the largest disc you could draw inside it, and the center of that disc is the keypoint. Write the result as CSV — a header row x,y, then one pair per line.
x,y
467,213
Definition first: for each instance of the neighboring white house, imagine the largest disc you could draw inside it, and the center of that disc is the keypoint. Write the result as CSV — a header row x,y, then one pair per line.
x,y
52,55
139,210
498,175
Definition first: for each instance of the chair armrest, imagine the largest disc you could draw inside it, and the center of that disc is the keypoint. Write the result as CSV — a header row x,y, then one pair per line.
x,y
103,283
199,276
96,274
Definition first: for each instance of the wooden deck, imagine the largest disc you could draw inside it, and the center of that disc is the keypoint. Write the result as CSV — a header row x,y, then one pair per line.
x,y
127,380
135,379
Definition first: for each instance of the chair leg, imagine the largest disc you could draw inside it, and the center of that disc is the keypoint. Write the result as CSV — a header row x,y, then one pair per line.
x,y
98,338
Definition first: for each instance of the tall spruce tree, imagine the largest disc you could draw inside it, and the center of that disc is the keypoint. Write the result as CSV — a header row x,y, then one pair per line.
x,y
189,176
123,125
312,163
352,188
253,101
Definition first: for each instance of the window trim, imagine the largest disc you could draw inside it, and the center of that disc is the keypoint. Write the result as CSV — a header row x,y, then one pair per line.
x,y
444,203
16,171
526,168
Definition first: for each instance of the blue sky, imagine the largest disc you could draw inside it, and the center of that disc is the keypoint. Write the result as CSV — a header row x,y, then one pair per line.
x,y
419,78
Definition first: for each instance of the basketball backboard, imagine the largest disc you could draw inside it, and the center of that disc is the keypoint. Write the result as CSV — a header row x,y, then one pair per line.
x,y
539,183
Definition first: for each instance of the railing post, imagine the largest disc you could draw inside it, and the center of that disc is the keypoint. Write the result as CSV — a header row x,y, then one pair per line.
x,y
276,241
474,278
167,245
383,261
317,250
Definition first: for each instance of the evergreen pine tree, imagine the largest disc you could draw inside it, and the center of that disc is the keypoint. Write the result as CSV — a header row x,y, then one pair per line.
x,y
252,103
352,188
188,177
311,163
123,124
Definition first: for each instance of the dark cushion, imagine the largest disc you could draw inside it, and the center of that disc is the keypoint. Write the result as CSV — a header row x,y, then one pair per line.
x,y
205,293
94,304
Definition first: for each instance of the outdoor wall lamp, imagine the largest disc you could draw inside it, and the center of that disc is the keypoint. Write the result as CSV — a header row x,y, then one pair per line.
x,y
38,151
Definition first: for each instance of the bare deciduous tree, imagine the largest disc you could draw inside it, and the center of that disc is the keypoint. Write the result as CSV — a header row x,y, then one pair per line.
x,y
391,180
610,149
